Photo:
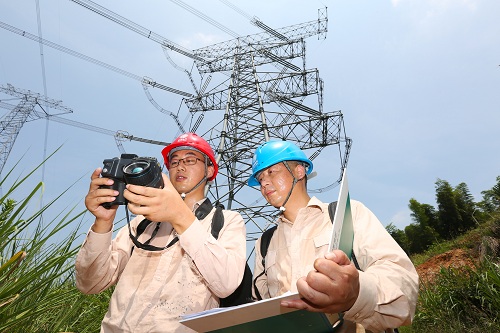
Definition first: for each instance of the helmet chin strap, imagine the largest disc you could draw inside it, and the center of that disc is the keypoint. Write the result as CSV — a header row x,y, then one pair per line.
x,y
183,195
295,181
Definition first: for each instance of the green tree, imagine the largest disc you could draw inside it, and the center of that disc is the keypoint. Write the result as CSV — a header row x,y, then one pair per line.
x,y
423,214
399,236
421,233
466,206
491,198
449,218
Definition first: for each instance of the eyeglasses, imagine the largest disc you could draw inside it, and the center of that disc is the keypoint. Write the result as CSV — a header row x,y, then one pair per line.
x,y
190,160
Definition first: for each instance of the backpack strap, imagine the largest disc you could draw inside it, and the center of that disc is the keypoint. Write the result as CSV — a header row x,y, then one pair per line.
x,y
332,206
242,294
203,209
217,220
265,240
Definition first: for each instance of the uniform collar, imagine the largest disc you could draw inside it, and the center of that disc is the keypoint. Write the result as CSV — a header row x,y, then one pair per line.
x,y
314,203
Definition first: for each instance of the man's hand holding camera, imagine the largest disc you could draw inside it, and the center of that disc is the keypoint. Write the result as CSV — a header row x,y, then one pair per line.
x,y
100,192
139,183
159,204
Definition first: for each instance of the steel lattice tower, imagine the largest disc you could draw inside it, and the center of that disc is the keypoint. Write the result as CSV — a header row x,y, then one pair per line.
x,y
262,98
24,111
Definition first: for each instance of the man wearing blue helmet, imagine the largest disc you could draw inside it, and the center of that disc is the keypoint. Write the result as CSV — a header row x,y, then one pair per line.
x,y
379,295
267,158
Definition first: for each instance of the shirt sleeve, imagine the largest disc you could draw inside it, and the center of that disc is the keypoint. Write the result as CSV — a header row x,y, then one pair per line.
x,y
101,260
220,261
388,279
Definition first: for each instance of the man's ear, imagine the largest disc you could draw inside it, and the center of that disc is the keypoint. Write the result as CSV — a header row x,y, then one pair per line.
x,y
300,171
210,171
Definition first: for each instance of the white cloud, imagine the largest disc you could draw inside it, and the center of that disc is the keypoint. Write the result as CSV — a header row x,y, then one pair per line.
x,y
401,219
199,39
439,4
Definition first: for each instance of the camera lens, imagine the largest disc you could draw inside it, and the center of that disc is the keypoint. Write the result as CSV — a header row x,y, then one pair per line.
x,y
137,170
144,172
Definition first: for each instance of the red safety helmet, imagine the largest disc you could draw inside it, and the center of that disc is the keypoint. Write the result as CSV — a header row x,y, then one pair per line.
x,y
191,141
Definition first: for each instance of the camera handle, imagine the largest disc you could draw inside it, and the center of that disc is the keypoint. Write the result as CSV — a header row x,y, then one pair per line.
x,y
120,199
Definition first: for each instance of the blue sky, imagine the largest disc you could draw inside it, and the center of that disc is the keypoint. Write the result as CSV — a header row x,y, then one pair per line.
x,y
416,80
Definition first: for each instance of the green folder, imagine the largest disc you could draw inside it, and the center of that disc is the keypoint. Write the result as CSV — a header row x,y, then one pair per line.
x,y
265,316
298,321
342,229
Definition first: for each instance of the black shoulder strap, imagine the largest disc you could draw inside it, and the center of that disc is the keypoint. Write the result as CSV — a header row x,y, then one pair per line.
x,y
217,220
331,210
142,226
265,240
203,209
242,294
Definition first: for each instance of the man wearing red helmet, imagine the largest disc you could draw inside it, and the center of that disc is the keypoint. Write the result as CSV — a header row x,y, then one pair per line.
x,y
168,263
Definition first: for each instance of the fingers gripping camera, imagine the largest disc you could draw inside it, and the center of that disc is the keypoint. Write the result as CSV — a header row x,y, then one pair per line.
x,y
130,169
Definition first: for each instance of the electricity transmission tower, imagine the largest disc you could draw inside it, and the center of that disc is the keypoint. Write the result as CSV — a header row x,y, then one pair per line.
x,y
253,89
12,122
263,97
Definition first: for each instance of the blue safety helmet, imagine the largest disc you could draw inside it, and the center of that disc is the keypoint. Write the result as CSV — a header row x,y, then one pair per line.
x,y
273,152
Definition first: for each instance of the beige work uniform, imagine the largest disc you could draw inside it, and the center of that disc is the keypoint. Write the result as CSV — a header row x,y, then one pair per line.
x,y
388,279
155,288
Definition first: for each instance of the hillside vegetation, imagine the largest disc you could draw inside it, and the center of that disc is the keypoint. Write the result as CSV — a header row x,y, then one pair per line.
x,y
455,249
460,283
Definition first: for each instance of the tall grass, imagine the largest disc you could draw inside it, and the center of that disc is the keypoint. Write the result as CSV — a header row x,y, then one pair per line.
x,y
461,300
37,292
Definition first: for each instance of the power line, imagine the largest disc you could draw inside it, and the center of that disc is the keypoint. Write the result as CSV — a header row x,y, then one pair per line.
x,y
92,60
98,9
44,81
236,9
205,17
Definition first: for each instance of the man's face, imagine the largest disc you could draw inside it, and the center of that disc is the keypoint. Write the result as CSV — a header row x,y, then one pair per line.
x,y
187,168
275,184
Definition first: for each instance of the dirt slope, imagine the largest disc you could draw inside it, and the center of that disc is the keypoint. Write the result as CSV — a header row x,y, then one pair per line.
x,y
454,258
